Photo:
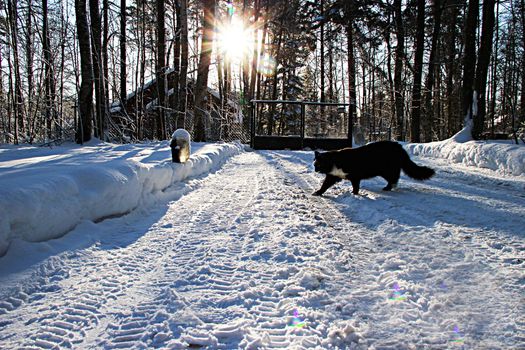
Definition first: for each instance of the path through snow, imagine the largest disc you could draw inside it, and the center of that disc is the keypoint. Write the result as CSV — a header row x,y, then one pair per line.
x,y
249,259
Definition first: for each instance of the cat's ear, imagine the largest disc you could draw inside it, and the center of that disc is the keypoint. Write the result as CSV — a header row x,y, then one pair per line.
x,y
316,154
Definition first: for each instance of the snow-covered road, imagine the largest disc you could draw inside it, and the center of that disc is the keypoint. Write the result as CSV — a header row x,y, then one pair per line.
x,y
247,258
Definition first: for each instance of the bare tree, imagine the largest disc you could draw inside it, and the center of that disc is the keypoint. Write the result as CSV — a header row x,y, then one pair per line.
x,y
49,80
522,102
174,98
452,69
482,66
5,122
18,99
427,120
494,76
85,98
469,57
201,87
29,59
322,42
123,76
255,54
398,69
418,71
183,76
105,58
245,59
98,69
161,69
349,20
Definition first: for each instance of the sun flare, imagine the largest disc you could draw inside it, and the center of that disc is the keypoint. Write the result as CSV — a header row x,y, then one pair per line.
x,y
234,40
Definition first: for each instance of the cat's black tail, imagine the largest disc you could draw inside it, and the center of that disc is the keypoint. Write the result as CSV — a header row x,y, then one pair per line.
x,y
413,170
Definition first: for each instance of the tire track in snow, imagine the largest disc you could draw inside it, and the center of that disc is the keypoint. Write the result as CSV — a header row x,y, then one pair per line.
x,y
302,216
219,282
127,326
206,255
458,266
74,298
227,283
183,264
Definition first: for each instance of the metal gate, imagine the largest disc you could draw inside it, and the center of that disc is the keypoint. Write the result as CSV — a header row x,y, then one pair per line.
x,y
279,124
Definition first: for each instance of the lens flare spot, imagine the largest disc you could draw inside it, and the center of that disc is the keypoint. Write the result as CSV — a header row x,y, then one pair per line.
x,y
267,65
398,294
296,321
231,9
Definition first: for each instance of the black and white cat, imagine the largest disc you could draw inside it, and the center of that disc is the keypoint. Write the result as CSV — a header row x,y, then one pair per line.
x,y
383,158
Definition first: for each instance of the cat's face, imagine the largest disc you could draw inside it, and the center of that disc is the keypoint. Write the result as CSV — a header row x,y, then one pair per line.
x,y
321,163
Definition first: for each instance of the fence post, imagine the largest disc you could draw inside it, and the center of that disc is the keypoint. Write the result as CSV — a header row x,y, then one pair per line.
x,y
303,121
252,128
351,107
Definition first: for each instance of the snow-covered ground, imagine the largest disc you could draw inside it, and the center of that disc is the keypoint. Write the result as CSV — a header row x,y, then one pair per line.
x,y
504,157
45,192
245,257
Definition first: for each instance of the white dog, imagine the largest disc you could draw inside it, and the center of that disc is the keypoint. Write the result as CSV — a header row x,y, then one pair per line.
x,y
180,146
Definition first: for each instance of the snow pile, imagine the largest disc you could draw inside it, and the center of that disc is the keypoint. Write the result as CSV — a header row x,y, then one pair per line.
x,y
504,157
45,193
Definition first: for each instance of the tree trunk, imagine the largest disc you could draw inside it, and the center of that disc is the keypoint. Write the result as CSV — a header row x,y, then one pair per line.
x,y
49,80
183,77
398,70
427,120
85,98
141,114
482,68
138,77
64,26
351,78
255,55
272,113
160,69
245,63
11,112
494,83
174,98
123,89
349,27
391,89
258,79
18,99
522,102
418,71
331,96
452,70
96,46
225,89
29,60
4,120
201,87
322,39
364,102
469,58
105,71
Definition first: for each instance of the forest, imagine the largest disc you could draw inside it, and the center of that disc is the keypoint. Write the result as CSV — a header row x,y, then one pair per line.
x,y
131,71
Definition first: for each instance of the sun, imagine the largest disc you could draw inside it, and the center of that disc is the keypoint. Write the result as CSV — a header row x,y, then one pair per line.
x,y
234,40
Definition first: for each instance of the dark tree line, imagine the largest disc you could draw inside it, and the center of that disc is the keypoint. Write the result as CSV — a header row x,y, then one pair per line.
x,y
134,70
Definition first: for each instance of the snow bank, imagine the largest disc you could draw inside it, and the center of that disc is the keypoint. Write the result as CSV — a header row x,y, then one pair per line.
x,y
503,157
45,193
